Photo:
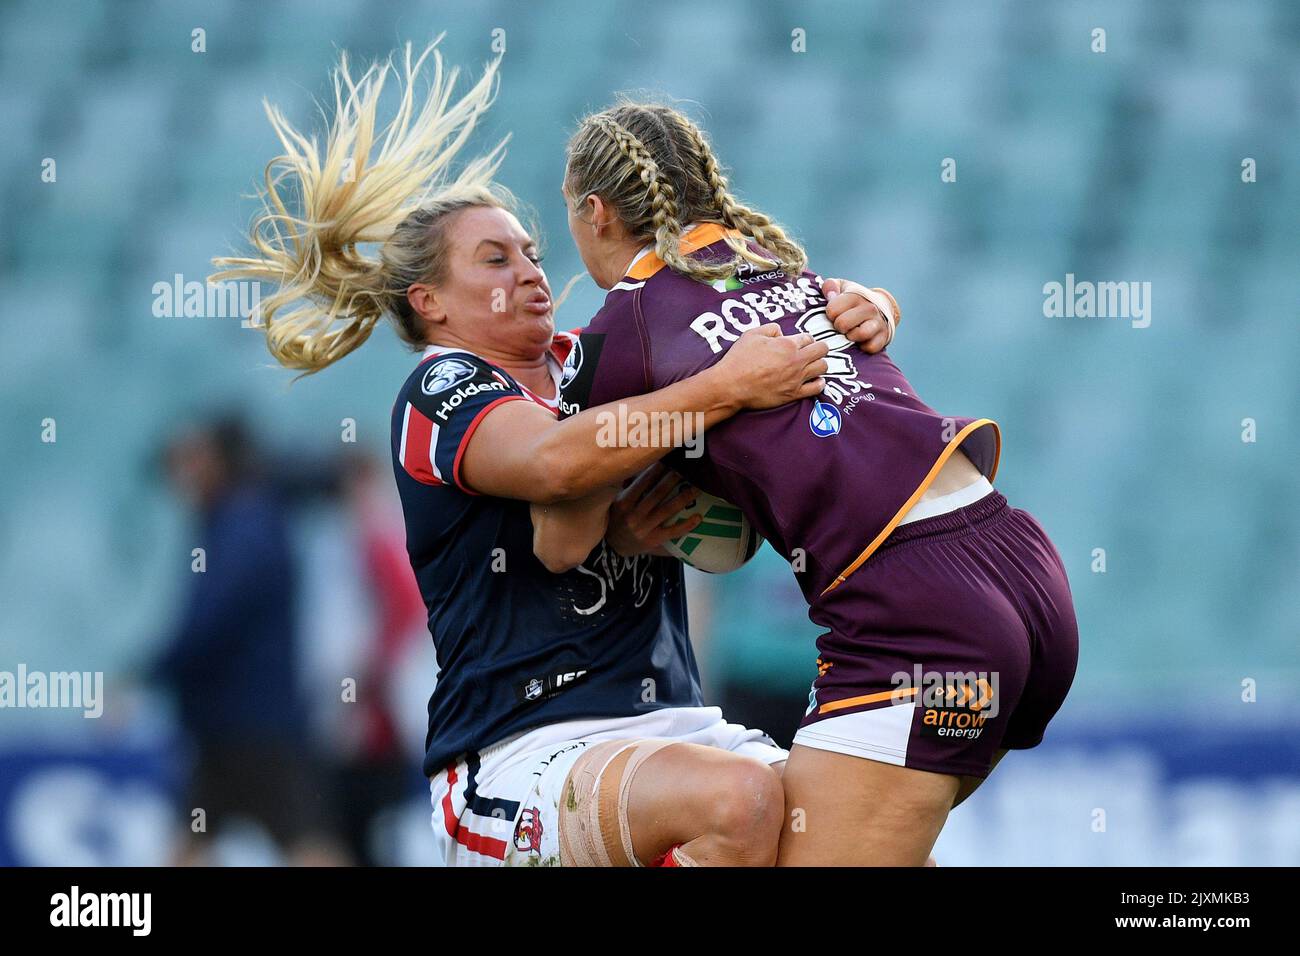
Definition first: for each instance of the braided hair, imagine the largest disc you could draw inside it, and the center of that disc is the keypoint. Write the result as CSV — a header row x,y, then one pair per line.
x,y
655,167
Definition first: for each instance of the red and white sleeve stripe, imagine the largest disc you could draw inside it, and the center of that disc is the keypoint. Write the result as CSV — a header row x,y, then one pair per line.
x,y
418,446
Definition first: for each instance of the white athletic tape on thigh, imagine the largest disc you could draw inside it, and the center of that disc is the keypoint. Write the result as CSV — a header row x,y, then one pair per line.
x,y
585,837
581,840
641,750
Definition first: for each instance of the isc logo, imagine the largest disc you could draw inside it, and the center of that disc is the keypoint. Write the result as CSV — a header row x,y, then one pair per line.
x,y
544,688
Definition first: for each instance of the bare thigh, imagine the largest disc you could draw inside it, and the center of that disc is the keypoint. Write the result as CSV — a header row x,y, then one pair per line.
x,y
721,808
970,784
850,811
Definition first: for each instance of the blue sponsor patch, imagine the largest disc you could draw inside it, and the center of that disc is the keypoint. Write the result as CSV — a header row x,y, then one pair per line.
x,y
824,420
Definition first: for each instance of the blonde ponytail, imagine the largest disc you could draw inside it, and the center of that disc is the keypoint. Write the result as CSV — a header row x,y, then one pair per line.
x,y
320,211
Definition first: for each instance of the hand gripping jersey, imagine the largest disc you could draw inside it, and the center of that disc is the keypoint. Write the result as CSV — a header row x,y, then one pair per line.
x,y
825,479
518,646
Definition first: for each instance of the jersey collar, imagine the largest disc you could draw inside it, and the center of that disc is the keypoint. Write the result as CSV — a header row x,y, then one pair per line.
x,y
696,236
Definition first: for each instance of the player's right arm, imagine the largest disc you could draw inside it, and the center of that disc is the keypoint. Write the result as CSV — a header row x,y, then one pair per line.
x,y
518,450
633,520
565,532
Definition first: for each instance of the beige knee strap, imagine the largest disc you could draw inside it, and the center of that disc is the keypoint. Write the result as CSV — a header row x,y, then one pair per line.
x,y
581,843
593,827
680,858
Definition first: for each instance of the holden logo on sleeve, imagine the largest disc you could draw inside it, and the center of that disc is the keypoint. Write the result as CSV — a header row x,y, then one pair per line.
x,y
445,374
824,420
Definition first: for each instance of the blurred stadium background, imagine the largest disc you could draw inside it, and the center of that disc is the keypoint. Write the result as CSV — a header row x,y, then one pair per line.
x,y
1115,166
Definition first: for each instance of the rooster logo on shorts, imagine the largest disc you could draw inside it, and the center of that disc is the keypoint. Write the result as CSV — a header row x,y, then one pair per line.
x,y
528,831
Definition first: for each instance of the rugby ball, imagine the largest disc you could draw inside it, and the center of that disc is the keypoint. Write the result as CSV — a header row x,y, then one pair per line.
x,y
721,542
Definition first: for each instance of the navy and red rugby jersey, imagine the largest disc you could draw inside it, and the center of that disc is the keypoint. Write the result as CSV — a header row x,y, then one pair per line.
x,y
518,646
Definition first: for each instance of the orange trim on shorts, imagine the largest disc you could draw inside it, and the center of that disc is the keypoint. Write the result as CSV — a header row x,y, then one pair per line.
x,y
702,235
897,693
928,480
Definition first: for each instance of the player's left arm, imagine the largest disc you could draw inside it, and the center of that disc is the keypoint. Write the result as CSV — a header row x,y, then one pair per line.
x,y
868,317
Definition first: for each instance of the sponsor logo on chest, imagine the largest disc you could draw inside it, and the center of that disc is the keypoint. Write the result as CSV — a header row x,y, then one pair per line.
x,y
544,688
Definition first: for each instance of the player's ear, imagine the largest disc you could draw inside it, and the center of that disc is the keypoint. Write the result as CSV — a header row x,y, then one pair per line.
x,y
425,301
598,214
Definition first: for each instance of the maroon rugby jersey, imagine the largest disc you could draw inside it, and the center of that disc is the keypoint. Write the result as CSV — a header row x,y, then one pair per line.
x,y
824,479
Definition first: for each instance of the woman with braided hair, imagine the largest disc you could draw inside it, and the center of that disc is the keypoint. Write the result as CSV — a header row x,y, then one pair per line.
x,y
950,630
537,669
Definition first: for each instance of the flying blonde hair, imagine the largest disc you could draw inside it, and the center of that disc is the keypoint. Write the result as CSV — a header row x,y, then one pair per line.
x,y
655,167
318,210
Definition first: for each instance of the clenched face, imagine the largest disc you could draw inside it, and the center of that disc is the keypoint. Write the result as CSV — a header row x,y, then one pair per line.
x,y
495,292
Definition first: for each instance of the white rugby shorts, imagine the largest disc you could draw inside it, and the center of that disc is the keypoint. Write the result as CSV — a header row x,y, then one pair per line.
x,y
500,806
